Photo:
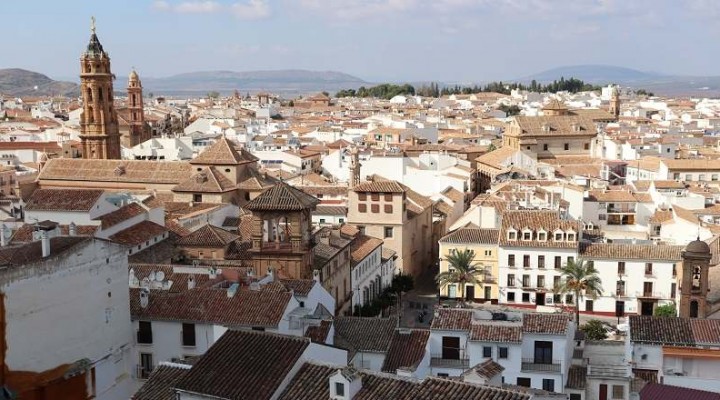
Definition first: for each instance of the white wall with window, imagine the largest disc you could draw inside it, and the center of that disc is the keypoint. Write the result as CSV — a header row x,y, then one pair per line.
x,y
367,278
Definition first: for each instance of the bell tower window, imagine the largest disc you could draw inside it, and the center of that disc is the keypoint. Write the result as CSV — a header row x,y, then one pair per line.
x,y
696,277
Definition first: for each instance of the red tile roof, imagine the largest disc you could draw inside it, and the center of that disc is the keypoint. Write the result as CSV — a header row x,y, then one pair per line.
x,y
550,324
496,333
282,197
63,199
407,349
452,319
658,391
159,385
138,233
124,213
687,332
223,152
208,236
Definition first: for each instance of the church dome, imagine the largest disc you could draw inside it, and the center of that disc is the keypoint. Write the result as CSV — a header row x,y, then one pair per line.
x,y
698,247
133,75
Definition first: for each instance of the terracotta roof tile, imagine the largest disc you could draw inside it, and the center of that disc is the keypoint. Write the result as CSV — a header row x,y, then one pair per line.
x,y
318,333
207,180
379,187
123,213
301,287
159,385
125,171
658,391
366,334
613,251
363,246
452,319
577,377
282,197
407,349
472,235
448,389
208,236
488,369
495,333
223,152
688,332
550,324
63,199
138,233
536,220
244,365
32,252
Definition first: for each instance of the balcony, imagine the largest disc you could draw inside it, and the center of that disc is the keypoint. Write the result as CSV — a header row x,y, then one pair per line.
x,y
621,210
462,361
651,295
142,372
530,365
619,293
608,371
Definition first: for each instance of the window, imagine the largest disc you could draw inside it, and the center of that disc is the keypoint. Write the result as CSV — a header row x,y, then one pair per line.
x,y
322,220
701,177
503,352
549,385
545,147
388,196
648,269
575,396
511,260
541,261
714,177
558,236
442,375
526,261
586,146
487,351
197,198
566,146
188,335
602,217
361,229
511,280
558,262
526,280
146,365
557,299
621,267
362,208
526,297
388,208
556,283
570,260
511,297
527,235
570,237
375,208
618,392
568,299
676,176
488,252
543,352
525,382
674,271
388,232
647,289
673,290
688,177
362,196
339,389
375,196
542,236
541,281
512,235
144,333
341,220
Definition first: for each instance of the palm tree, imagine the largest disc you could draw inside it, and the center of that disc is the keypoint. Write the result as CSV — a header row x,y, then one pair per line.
x,y
462,270
581,279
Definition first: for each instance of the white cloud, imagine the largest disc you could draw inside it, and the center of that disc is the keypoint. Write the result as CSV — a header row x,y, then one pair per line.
x,y
245,9
359,9
253,9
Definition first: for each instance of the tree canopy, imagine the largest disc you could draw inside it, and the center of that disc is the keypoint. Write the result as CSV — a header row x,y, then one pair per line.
x,y
580,278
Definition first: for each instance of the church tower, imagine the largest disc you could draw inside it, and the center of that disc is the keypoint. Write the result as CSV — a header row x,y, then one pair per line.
x,y
137,133
694,281
615,102
99,131
354,167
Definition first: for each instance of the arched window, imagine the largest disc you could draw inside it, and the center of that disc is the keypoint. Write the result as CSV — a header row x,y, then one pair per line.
x,y
696,278
694,309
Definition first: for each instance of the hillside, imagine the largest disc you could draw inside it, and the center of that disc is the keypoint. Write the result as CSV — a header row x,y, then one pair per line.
x,y
598,74
20,82
280,81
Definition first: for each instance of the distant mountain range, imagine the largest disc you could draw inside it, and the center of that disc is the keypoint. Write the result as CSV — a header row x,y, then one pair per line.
x,y
662,84
287,82
290,83
19,82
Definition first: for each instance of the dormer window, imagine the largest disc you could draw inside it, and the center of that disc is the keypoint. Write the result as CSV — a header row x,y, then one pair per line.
x,y
512,235
542,236
558,235
571,237
527,235
546,128
339,389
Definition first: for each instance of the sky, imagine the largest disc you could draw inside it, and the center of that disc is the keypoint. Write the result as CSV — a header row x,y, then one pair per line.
x,y
376,40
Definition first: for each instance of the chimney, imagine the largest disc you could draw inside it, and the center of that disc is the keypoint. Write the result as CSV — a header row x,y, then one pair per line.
x,y
72,229
3,235
144,297
45,243
191,282
270,275
316,275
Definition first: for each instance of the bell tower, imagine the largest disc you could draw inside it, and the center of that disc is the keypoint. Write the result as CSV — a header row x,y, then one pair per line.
x,y
137,132
99,132
615,102
694,284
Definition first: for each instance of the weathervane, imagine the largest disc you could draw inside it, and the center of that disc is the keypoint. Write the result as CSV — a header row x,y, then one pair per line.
x,y
92,24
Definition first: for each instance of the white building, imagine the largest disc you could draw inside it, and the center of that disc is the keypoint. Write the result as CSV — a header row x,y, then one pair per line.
x,y
66,319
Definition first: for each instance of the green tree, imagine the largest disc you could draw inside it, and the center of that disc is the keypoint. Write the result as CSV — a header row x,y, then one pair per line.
x,y
580,278
594,330
462,270
667,310
213,95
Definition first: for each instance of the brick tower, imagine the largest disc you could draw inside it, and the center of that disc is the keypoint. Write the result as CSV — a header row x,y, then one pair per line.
x,y
99,131
137,133
694,284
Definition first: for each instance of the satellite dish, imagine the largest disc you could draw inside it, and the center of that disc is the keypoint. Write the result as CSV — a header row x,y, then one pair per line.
x,y
151,276
159,276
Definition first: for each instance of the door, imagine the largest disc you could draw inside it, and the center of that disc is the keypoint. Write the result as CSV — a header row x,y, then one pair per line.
x,y
452,291
450,348
540,299
470,292
603,392
646,308
589,305
488,292
543,352
619,309
694,309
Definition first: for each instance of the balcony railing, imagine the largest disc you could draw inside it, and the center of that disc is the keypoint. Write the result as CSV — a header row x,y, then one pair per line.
x,y
530,364
621,210
462,361
608,371
651,295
